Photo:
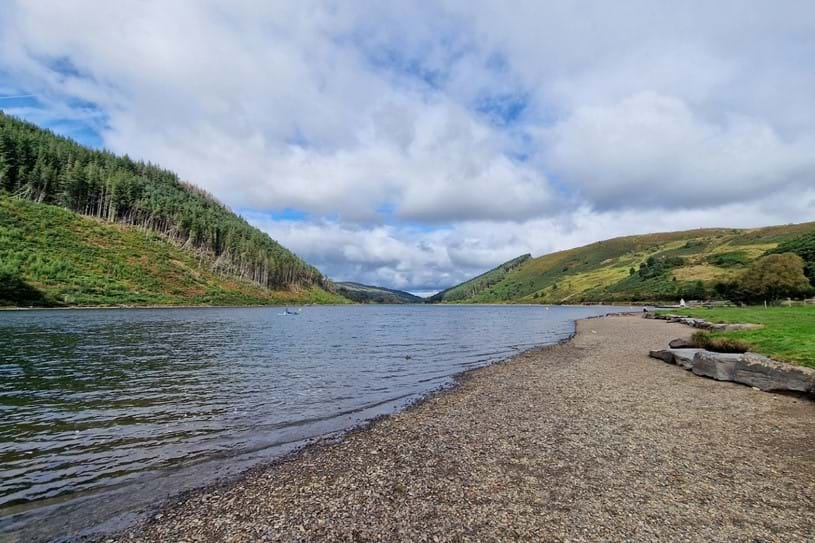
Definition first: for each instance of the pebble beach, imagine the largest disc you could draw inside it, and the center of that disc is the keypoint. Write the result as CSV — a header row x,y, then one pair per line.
x,y
588,441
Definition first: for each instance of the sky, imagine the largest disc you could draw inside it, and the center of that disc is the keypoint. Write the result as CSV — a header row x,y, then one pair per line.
x,y
415,144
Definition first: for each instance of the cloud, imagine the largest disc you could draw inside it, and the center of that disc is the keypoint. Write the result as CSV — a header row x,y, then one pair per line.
x,y
421,260
653,150
426,143
275,109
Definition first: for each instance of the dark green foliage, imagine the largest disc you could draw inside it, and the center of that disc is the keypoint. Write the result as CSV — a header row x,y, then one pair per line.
x,y
727,290
40,166
481,283
16,292
656,266
694,291
732,259
635,287
803,246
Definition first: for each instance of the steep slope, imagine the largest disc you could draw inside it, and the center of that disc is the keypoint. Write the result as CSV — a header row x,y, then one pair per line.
x,y
479,284
52,256
41,167
367,294
652,267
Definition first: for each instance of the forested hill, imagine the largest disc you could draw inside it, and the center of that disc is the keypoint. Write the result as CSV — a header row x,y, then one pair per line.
x,y
475,286
42,167
696,264
367,294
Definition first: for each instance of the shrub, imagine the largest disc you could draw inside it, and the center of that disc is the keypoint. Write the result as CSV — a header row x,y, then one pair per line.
x,y
654,267
694,291
729,260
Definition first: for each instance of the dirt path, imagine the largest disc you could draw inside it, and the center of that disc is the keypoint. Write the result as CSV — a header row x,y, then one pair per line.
x,y
587,441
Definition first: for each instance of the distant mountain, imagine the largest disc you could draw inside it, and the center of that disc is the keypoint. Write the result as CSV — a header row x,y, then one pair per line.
x,y
130,203
366,294
652,267
480,283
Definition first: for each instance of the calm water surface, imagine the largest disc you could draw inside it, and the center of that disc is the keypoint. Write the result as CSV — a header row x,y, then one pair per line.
x,y
104,412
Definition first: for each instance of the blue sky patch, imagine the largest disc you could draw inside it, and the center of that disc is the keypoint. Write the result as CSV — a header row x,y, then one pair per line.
x,y
77,119
502,109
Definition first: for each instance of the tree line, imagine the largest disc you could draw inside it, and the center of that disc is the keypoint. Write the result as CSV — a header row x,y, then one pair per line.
x,y
38,165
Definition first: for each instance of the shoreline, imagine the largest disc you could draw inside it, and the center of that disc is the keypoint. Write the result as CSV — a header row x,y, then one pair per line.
x,y
323,490
122,519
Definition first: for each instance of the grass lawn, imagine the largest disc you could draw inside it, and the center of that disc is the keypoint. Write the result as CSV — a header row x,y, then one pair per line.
x,y
788,334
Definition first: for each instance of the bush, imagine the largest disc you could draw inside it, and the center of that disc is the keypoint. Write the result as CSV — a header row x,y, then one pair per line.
x,y
729,260
694,291
654,267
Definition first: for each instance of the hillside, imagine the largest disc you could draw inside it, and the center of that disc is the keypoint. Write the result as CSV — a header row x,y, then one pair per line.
x,y
41,167
477,285
52,256
366,294
652,267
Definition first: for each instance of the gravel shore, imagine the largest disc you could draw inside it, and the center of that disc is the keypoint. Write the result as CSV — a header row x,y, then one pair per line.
x,y
586,441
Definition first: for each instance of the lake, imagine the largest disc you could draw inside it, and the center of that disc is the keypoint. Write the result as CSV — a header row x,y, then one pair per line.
x,y
103,413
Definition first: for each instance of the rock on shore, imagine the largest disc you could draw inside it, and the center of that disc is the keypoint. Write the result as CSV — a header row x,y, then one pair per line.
x,y
701,323
749,369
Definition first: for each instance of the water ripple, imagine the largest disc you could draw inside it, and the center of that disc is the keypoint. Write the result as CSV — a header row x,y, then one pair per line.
x,y
93,397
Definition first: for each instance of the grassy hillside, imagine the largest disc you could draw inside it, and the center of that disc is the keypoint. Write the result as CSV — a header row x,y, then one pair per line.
x,y
52,256
479,284
653,267
366,294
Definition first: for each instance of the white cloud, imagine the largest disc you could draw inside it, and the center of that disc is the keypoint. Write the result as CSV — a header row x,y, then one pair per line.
x,y
430,142
654,150
422,261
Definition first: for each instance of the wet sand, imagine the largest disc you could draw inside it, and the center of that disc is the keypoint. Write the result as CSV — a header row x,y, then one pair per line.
x,y
586,441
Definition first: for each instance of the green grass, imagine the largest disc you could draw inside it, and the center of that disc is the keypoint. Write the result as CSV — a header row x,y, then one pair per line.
x,y
50,256
788,334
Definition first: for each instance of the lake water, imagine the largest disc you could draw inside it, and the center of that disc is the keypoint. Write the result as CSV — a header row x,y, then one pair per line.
x,y
105,412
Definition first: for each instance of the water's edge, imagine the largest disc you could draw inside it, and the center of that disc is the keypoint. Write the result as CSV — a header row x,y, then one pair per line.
x,y
72,516
315,444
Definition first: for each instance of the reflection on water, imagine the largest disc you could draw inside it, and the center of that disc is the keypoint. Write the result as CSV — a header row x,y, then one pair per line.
x,y
94,400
